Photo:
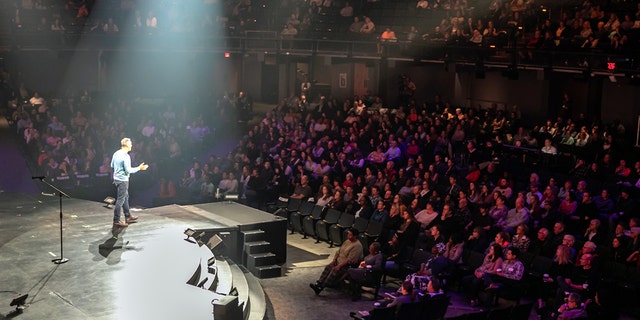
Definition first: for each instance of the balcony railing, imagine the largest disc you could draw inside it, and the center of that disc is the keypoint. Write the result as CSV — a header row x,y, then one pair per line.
x,y
269,42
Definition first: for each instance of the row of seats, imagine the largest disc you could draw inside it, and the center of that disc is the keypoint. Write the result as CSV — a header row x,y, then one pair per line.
x,y
433,308
326,224
515,312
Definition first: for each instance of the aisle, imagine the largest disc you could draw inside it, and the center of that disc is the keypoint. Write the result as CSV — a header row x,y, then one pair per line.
x,y
15,175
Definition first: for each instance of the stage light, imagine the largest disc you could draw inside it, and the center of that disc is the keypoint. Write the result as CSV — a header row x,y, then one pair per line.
x,y
19,301
109,202
190,233
231,197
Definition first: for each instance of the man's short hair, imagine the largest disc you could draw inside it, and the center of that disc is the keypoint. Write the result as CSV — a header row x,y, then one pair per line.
x,y
124,141
436,284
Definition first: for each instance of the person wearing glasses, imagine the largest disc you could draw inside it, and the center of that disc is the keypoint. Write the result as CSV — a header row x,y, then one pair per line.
x,y
572,309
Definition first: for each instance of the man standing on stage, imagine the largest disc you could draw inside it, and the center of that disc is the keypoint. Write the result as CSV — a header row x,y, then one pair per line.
x,y
121,165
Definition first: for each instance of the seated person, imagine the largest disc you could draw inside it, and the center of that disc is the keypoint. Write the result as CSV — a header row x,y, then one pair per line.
x,y
370,264
572,309
303,190
289,31
548,148
510,270
584,279
408,296
434,288
350,253
368,27
437,265
472,284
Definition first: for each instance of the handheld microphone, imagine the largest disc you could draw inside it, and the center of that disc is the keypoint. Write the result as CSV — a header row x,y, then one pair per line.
x,y
38,177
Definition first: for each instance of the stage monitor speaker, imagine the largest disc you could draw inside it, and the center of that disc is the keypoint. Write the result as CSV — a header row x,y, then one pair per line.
x,y
217,243
227,308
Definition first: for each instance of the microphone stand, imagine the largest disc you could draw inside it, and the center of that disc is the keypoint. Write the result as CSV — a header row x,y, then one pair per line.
x,y
61,194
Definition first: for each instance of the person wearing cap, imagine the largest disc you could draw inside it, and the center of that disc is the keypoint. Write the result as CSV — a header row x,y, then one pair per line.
x,y
350,253
121,165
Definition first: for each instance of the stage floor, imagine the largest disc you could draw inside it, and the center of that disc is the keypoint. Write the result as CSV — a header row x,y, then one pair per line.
x,y
137,272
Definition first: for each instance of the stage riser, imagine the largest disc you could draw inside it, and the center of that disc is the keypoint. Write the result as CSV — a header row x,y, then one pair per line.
x,y
262,259
264,272
257,247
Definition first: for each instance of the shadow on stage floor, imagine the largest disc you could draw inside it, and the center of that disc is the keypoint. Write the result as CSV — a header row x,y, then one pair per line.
x,y
139,272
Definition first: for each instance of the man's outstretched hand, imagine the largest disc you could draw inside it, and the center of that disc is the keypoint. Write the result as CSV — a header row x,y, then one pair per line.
x,y
143,166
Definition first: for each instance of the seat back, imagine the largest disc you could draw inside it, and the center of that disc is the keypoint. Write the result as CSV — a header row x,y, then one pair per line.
x,y
317,212
322,226
298,216
539,266
374,228
332,216
306,208
526,258
499,313
482,315
434,308
409,311
475,260
385,313
615,271
360,224
309,222
294,204
346,220
521,311
418,257
338,231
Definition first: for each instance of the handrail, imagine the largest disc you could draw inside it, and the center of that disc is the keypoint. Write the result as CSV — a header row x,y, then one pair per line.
x,y
271,43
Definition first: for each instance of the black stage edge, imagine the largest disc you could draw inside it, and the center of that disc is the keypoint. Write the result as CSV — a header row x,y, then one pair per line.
x,y
144,271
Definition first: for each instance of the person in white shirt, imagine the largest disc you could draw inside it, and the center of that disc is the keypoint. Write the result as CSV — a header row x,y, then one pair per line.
x,y
549,148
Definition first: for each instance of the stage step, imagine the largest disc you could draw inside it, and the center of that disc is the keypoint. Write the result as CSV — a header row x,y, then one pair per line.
x,y
253,235
260,259
270,271
254,247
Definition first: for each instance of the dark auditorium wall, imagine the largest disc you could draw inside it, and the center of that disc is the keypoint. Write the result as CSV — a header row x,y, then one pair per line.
x,y
429,80
53,71
131,73
538,95
620,102
529,92
462,88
